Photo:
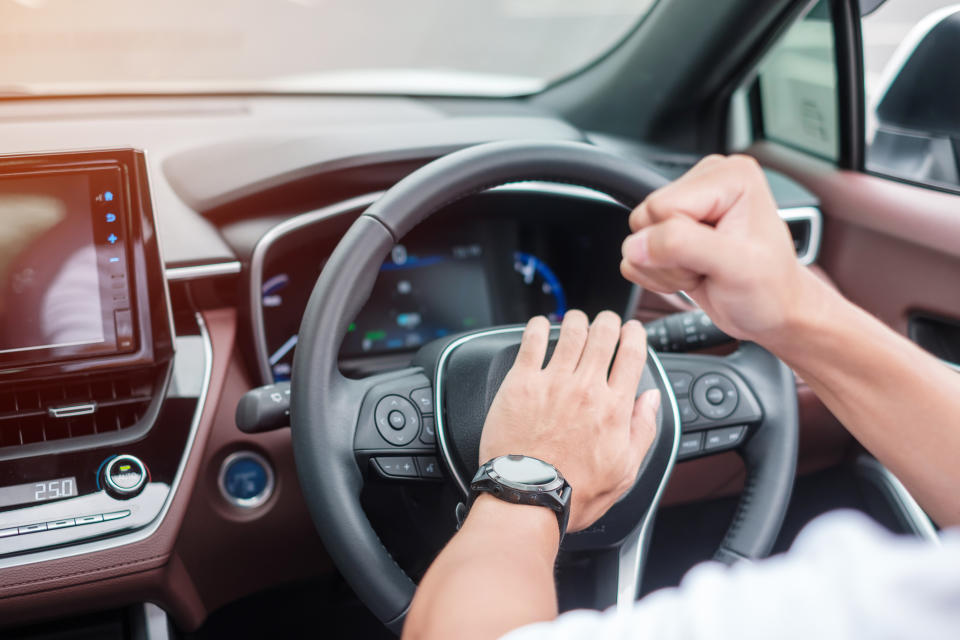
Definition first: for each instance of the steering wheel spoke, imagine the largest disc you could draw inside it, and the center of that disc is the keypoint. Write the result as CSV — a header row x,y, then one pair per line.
x,y
718,409
618,571
396,429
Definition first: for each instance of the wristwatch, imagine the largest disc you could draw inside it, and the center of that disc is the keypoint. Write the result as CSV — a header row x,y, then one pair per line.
x,y
524,480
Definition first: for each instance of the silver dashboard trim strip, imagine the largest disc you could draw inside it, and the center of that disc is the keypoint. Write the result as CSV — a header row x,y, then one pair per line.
x,y
203,270
259,255
106,544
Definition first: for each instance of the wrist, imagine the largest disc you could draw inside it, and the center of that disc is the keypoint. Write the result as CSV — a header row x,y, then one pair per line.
x,y
811,311
518,523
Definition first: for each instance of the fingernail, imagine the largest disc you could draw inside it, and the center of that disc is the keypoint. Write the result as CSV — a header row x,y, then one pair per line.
x,y
635,248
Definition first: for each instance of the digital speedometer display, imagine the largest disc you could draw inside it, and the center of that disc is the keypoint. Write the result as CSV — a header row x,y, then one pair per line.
x,y
420,296
425,290
482,262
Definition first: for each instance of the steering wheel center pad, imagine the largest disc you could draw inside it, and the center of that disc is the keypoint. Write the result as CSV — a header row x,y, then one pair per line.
x,y
467,374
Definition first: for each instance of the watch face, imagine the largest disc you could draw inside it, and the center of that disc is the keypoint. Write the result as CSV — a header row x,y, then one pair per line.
x,y
524,470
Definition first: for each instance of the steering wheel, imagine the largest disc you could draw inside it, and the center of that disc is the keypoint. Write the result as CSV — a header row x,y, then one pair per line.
x,y
341,427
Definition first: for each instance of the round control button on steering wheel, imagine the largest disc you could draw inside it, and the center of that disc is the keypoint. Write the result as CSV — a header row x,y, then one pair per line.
x,y
397,420
715,396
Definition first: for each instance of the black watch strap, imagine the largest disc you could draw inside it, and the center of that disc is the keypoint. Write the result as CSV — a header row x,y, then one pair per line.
x,y
557,500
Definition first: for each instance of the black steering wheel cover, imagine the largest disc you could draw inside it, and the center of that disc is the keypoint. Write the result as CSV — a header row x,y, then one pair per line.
x,y
324,406
770,456
476,169
324,409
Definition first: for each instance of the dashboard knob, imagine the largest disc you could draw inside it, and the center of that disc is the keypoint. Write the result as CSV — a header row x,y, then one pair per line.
x,y
124,477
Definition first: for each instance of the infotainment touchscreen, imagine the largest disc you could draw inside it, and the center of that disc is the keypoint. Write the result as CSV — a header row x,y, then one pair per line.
x,y
63,266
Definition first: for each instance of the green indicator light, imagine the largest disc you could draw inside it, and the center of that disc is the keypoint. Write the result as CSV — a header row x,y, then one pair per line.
x,y
125,467
375,335
352,327
469,322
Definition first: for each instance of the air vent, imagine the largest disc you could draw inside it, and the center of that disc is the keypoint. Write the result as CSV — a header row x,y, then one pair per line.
x,y
805,224
86,405
800,230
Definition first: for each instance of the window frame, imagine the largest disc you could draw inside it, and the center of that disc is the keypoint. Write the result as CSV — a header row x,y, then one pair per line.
x,y
848,48
850,91
851,97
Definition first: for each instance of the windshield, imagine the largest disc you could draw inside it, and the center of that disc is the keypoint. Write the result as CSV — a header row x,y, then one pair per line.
x,y
446,47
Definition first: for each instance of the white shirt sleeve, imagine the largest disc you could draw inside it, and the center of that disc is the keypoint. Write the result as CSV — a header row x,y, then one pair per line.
x,y
844,577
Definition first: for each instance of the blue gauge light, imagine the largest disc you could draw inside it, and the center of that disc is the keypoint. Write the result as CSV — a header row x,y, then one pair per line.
x,y
271,290
413,262
530,267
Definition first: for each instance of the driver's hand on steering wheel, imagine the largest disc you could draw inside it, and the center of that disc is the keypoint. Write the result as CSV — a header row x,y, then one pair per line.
x,y
578,413
715,234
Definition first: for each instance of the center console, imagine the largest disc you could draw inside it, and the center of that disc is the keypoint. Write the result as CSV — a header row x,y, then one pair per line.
x,y
95,418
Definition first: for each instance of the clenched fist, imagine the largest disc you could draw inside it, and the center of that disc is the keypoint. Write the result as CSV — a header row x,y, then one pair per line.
x,y
715,234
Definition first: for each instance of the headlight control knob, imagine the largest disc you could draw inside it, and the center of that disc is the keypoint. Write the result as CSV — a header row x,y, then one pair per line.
x,y
124,477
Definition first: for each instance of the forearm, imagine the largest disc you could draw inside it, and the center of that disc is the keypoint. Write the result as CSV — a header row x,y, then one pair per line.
x,y
901,403
494,576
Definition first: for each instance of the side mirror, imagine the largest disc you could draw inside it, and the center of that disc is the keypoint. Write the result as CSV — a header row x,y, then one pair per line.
x,y
917,113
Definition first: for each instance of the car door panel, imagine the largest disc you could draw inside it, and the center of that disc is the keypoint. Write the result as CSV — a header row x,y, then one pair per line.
x,y
890,247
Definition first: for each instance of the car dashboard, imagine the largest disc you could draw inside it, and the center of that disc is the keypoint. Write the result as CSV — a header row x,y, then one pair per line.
x,y
232,207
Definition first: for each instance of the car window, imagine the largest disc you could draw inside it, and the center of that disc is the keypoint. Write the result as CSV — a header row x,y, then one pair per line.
x,y
911,60
436,47
797,86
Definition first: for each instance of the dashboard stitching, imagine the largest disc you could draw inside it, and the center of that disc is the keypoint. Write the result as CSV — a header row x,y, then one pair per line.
x,y
81,573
